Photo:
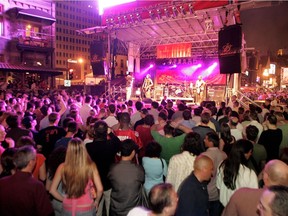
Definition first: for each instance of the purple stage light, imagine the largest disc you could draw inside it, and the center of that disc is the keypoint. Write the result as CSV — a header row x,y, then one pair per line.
x,y
151,66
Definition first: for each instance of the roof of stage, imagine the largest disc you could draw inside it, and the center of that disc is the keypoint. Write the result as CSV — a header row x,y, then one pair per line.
x,y
152,23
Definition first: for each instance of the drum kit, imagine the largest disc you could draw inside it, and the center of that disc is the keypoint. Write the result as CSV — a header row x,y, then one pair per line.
x,y
179,90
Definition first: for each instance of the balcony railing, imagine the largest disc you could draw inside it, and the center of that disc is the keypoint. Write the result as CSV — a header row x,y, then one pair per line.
x,y
36,39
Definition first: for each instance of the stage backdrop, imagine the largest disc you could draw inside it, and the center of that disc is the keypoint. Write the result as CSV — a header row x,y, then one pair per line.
x,y
185,73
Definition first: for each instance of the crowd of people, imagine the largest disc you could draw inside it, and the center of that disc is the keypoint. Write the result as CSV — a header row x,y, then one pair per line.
x,y
64,154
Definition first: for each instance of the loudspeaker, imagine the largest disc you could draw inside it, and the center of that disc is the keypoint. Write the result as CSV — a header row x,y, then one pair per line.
x,y
97,53
229,47
98,68
204,103
97,50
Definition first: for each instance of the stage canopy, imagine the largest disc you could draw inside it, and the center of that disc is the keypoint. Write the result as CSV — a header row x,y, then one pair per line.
x,y
153,23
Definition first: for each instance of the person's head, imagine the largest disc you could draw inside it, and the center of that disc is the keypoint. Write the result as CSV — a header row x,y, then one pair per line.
x,y
24,141
252,133
7,162
124,118
53,118
211,140
138,105
181,106
197,111
112,108
28,122
72,127
149,120
25,158
273,201
88,99
153,149
227,111
205,118
272,119
155,104
163,199
275,173
12,121
66,122
162,116
168,129
128,149
187,114
203,168
100,130
199,77
192,143
144,112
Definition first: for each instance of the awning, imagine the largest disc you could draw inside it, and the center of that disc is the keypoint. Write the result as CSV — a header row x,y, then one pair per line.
x,y
6,67
36,15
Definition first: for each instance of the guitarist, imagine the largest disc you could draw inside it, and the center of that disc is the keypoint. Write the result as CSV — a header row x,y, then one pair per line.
x,y
147,86
200,87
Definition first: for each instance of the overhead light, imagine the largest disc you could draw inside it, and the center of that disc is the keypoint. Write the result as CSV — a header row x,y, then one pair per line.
x,y
131,19
191,11
159,14
125,19
152,15
166,12
139,18
182,9
175,12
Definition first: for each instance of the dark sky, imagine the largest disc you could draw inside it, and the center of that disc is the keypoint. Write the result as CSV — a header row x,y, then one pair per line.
x,y
266,28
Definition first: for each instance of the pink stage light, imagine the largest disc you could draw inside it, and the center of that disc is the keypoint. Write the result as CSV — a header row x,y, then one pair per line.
x,y
102,4
151,66
209,70
191,69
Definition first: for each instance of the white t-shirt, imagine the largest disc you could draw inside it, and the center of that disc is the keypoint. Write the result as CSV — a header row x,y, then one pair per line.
x,y
246,178
138,211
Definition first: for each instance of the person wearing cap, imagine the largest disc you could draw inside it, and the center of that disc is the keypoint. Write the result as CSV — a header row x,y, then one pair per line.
x,y
126,180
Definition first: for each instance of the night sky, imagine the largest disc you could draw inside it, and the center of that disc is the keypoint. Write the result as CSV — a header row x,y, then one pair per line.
x,y
266,28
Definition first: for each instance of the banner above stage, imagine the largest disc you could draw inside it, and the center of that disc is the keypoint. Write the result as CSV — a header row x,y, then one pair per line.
x,y
181,50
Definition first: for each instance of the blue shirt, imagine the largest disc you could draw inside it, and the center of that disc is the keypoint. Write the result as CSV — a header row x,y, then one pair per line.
x,y
153,172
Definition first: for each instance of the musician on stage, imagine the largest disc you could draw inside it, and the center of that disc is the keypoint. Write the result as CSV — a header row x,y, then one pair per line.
x,y
200,87
129,85
147,86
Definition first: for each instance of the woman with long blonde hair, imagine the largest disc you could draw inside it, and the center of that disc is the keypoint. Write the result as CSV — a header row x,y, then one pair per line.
x,y
79,176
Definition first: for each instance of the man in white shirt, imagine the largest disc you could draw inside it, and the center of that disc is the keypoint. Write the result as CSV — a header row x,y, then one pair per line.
x,y
111,119
84,111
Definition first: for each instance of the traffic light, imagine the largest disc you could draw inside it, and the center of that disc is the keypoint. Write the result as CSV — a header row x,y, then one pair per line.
x,y
70,74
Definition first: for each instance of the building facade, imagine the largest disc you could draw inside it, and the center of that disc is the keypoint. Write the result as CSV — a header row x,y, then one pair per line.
x,y
27,42
72,46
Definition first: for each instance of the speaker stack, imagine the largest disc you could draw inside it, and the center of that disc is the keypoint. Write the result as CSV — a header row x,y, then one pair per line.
x,y
229,49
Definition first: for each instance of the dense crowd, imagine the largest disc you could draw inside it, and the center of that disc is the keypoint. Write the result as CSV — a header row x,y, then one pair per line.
x,y
77,154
